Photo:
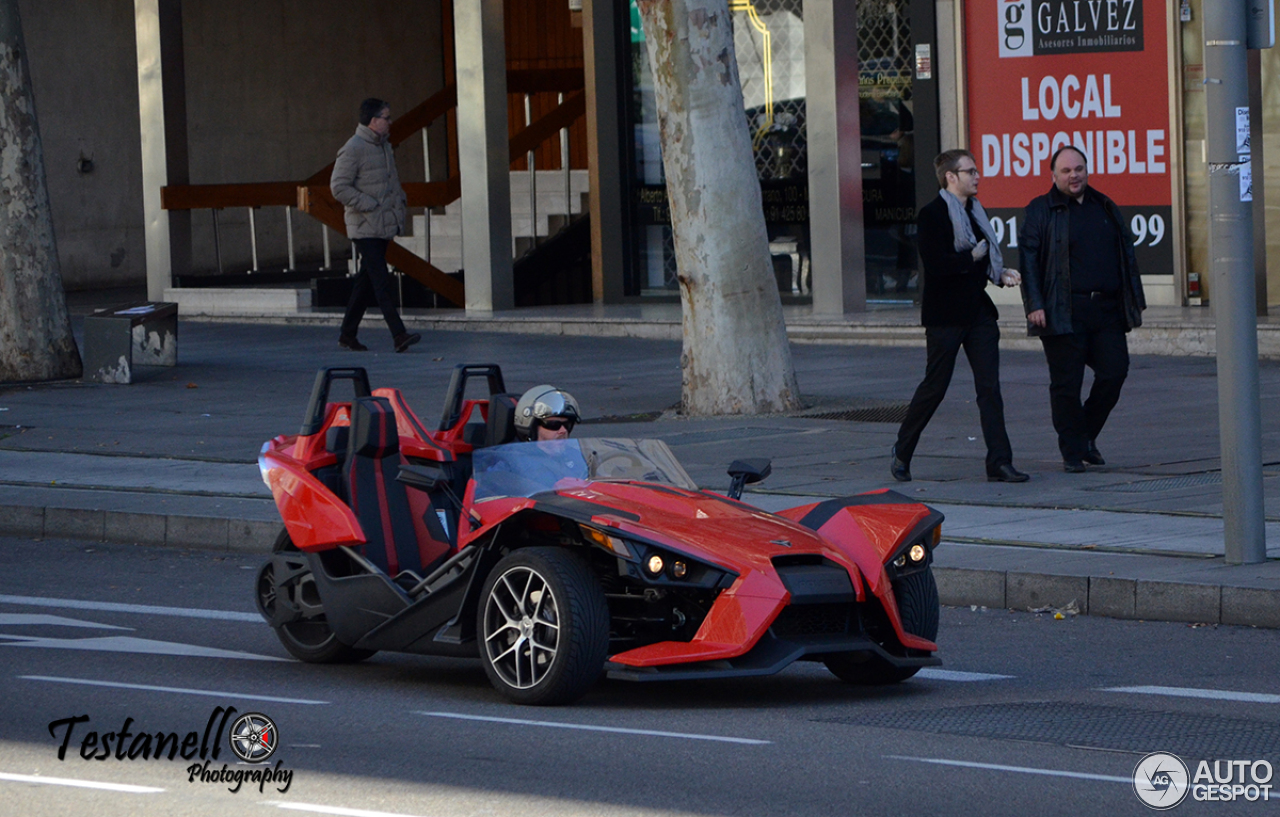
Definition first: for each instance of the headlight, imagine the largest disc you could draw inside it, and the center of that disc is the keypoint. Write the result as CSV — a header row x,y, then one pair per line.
x,y
679,569
654,565
916,553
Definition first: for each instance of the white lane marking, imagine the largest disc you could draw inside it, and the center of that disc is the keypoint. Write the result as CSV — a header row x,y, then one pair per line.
x,y
1000,767
590,728
343,812
126,643
80,784
149,609
212,693
40,619
957,675
1191,692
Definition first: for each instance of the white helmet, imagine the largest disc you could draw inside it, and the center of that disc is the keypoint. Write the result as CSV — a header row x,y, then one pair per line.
x,y
540,403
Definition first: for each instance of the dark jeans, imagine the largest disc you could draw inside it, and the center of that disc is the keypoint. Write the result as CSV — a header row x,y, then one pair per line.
x,y
1098,342
981,344
372,285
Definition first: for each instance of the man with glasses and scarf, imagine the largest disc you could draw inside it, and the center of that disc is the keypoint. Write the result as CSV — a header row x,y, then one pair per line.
x,y
960,255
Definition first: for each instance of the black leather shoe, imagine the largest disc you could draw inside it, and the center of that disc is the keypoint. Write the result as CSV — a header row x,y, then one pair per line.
x,y
1092,456
900,470
405,340
352,344
1073,466
1006,473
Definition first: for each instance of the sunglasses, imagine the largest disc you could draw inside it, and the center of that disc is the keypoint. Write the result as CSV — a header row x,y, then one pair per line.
x,y
556,425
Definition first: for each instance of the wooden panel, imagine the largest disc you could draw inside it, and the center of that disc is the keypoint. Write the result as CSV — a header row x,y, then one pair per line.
x,y
213,196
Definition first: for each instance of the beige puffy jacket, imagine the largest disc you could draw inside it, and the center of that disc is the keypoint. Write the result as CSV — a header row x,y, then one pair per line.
x,y
365,181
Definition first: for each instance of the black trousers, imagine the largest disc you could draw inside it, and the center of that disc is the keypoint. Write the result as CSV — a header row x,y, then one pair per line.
x,y
981,344
372,285
1098,341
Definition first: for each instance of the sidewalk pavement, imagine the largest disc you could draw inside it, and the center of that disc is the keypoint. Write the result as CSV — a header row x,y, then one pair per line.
x,y
171,459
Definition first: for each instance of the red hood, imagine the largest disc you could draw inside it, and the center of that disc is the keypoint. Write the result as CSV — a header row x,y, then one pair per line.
x,y
705,525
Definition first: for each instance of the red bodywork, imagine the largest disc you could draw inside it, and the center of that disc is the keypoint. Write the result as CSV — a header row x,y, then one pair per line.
x,y
705,526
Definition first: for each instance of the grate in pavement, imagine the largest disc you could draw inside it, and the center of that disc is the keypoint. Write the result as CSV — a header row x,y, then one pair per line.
x,y
1163,484
723,435
1098,727
879,413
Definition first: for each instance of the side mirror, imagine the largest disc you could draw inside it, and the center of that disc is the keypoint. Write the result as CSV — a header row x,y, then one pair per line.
x,y
747,472
422,477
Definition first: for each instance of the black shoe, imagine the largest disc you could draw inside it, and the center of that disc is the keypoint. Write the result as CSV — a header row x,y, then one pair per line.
x,y
406,339
352,344
1073,466
1092,456
1006,473
900,470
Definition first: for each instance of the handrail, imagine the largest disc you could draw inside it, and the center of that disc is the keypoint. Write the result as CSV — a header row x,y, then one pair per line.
x,y
312,195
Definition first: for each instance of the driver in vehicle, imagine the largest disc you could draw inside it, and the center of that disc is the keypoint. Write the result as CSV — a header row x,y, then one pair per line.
x,y
546,413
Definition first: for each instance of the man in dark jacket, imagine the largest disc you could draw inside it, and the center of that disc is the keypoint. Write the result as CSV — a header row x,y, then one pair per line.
x,y
1082,293
960,254
364,179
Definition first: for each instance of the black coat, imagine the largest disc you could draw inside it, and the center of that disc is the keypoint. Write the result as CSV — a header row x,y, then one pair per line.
x,y
954,284
1044,256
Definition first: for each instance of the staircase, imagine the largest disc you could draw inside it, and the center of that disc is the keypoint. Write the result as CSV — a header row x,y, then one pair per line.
x,y
443,231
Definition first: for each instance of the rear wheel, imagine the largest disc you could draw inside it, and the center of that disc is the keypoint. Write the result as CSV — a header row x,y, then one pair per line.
x,y
308,637
918,607
543,624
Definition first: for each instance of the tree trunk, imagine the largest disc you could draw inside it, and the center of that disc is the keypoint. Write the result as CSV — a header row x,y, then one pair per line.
x,y
736,359
35,330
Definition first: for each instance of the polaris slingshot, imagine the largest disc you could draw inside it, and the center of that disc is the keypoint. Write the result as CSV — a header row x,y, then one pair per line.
x,y
555,562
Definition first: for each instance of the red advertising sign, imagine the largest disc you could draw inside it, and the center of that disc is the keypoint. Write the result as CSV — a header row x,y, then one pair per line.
x,y
1041,74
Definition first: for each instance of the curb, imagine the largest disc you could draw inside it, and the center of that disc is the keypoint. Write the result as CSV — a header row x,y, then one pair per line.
x,y
1109,597
166,530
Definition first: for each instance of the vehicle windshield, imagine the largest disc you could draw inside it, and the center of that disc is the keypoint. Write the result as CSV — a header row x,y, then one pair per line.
x,y
525,469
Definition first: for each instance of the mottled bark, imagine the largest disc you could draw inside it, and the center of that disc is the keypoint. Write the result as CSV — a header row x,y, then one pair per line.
x,y
736,359
35,330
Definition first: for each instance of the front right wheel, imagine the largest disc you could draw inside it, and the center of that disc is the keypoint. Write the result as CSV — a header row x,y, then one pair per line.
x,y
543,624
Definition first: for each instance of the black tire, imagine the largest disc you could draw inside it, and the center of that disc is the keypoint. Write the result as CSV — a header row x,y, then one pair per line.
x,y
918,607
543,627
308,639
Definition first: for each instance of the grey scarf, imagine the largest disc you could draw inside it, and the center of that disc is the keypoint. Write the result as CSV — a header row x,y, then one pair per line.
x,y
965,239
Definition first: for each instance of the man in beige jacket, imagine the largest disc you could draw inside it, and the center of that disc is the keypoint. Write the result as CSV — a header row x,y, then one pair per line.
x,y
364,179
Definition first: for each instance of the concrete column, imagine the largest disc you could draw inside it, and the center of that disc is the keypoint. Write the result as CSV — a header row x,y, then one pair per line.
x,y
835,157
601,22
162,114
482,154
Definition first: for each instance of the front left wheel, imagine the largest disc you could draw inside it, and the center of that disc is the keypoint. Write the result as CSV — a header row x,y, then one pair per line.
x,y
543,625
919,609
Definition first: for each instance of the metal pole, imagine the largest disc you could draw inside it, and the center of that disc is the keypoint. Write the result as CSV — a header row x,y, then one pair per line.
x,y
1259,201
324,233
1227,148
288,231
217,244
533,176
564,163
253,240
